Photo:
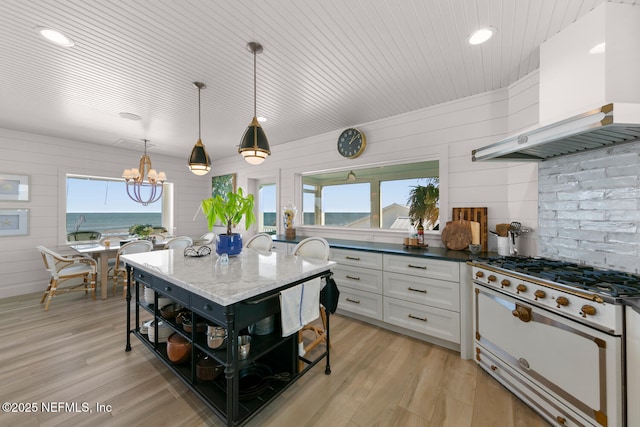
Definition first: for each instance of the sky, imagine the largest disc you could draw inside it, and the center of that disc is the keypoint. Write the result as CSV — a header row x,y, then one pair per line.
x,y
85,196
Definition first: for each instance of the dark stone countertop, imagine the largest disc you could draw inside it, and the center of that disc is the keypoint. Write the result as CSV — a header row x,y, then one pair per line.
x,y
395,249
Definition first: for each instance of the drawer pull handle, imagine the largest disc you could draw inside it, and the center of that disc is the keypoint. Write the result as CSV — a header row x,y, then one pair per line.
x,y
422,267
207,307
167,288
424,291
355,258
352,277
411,316
353,300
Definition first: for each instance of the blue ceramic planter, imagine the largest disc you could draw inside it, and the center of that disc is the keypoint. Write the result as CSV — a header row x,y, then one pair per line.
x,y
228,244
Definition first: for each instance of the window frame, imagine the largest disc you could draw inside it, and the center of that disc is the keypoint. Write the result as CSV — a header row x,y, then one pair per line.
x,y
168,213
372,233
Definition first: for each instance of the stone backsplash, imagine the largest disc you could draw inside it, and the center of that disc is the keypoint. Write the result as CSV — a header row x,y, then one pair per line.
x,y
589,207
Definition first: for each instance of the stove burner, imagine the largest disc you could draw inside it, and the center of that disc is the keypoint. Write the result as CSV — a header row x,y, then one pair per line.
x,y
608,282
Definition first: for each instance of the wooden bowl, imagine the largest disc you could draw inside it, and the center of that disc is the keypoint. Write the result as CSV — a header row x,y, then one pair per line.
x,y
178,348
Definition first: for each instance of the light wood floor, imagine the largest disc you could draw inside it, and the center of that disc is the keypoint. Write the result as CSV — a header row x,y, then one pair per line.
x,y
75,353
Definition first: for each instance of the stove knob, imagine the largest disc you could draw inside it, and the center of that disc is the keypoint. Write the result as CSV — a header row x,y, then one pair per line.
x,y
562,301
505,283
588,310
522,313
539,294
491,278
521,288
479,274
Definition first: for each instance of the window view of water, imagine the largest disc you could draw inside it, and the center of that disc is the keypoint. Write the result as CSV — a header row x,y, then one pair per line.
x,y
102,221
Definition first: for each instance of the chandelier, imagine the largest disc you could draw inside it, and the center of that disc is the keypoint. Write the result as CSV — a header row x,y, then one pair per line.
x,y
144,177
254,146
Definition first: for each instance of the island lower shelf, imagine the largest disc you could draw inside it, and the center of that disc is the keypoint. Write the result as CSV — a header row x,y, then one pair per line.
x,y
227,396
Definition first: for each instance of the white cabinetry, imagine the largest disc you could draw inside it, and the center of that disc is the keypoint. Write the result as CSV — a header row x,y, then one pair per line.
x,y
282,247
359,278
418,296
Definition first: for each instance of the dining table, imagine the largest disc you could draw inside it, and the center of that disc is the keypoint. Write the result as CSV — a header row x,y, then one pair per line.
x,y
102,254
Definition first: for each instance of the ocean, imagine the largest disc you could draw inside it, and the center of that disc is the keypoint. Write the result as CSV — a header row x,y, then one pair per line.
x,y
102,221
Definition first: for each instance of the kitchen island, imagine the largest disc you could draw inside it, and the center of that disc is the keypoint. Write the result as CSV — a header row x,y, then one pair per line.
x,y
233,296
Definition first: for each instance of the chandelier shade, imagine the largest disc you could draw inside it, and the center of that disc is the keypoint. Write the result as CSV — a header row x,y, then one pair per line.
x,y
254,146
199,161
144,184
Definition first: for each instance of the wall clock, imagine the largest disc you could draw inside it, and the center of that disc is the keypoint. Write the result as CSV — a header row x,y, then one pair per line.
x,y
351,143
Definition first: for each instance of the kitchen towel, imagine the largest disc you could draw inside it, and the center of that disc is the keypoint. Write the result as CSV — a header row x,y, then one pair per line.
x,y
290,300
310,303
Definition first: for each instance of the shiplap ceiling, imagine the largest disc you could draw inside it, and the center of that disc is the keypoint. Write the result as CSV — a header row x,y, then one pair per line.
x,y
327,64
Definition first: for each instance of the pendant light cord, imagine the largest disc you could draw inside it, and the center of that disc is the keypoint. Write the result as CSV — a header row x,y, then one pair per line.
x,y
254,85
199,137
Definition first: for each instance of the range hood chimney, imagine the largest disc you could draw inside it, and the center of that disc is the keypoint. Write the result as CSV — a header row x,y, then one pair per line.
x,y
610,124
588,98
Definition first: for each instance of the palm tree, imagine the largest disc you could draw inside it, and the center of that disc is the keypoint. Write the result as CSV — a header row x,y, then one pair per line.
x,y
423,202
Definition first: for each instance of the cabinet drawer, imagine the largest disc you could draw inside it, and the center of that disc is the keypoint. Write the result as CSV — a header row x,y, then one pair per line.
x,y
170,290
432,321
364,279
362,303
208,309
423,267
281,247
356,258
422,290
142,277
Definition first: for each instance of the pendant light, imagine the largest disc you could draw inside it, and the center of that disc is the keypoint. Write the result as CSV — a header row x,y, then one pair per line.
x,y
254,146
199,161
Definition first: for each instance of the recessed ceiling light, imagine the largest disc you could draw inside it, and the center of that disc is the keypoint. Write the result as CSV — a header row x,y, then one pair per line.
x,y
262,119
482,35
599,48
54,36
130,116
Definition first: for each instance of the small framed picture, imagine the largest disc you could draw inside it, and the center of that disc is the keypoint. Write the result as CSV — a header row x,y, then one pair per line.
x,y
222,184
14,187
14,222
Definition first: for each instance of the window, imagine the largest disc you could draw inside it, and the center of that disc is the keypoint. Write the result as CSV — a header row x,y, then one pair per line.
x,y
101,205
366,198
267,214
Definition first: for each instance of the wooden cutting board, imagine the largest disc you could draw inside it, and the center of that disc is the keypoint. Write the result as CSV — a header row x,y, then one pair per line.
x,y
478,215
456,235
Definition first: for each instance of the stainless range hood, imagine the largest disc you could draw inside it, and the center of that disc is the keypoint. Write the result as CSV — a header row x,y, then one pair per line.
x,y
610,124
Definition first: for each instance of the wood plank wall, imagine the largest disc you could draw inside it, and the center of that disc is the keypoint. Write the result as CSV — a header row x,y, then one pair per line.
x,y
447,131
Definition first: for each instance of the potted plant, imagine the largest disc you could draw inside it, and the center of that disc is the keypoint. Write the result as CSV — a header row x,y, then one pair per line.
x,y
141,230
229,211
423,203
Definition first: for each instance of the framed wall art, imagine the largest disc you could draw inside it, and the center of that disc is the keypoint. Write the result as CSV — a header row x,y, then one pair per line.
x,y
222,184
14,187
14,222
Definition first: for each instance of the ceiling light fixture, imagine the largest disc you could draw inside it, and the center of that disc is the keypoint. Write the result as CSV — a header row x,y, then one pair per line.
x,y
199,161
130,116
599,48
481,35
254,146
144,177
55,36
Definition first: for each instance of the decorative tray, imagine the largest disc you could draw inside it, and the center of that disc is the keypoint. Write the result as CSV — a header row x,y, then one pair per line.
x,y
424,245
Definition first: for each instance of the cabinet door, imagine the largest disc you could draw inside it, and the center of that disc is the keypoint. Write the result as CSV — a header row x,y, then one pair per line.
x,y
362,303
423,267
356,258
435,322
436,293
363,279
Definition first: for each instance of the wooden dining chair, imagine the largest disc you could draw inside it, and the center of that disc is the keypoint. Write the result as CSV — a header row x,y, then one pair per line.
x,y
120,271
62,268
261,242
313,247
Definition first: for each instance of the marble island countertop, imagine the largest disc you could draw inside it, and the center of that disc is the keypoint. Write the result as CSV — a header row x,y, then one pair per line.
x,y
247,275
